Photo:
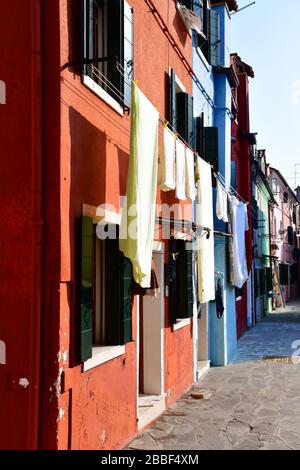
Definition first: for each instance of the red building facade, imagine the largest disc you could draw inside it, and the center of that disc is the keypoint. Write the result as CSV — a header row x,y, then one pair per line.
x,y
65,145
241,174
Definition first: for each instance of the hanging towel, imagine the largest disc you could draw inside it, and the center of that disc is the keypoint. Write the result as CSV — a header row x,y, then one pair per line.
x,y
239,225
180,170
138,217
190,187
166,167
222,204
206,256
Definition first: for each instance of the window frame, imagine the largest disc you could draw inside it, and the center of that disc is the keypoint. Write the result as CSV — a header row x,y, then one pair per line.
x,y
88,80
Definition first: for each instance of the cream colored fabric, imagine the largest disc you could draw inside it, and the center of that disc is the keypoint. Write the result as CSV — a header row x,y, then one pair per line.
x,y
206,256
166,167
180,170
190,186
222,203
138,218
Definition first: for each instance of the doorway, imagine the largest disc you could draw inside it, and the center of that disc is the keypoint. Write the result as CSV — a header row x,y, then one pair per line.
x,y
203,346
150,350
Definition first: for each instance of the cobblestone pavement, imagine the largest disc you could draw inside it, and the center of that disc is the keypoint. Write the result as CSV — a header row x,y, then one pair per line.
x,y
250,404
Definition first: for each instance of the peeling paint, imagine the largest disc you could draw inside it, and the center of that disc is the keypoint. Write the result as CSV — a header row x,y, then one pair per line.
x,y
57,383
61,414
23,382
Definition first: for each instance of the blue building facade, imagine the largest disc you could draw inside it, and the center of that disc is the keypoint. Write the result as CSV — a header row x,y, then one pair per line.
x,y
215,339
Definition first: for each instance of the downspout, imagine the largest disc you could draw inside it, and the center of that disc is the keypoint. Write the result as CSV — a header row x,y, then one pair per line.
x,y
37,223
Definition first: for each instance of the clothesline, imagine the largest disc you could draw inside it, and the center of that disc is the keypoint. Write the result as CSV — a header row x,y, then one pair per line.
x,y
166,123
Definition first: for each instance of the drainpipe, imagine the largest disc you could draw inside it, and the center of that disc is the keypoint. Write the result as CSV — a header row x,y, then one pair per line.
x,y
36,224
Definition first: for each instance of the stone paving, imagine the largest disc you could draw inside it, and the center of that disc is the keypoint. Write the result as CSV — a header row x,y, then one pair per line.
x,y
250,404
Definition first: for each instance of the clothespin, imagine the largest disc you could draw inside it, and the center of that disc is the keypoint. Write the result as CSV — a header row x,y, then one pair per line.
x,y
136,82
166,123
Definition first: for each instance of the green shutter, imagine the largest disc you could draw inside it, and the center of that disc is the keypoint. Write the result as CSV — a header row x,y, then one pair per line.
x,y
233,181
126,300
211,143
185,118
200,135
86,289
215,37
255,214
173,281
118,299
173,107
184,280
205,44
128,52
269,279
115,44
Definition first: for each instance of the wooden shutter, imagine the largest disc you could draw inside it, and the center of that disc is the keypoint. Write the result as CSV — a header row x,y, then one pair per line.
x,y
205,45
128,52
200,135
184,280
86,289
233,180
118,298
185,117
269,279
173,281
173,103
115,44
211,142
215,37
255,214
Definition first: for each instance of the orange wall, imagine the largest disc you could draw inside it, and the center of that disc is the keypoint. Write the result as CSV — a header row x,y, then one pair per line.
x,y
85,149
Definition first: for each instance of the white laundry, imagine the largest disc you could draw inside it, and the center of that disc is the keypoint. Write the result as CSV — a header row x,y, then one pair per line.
x,y
206,249
239,223
166,167
190,186
180,170
138,219
222,203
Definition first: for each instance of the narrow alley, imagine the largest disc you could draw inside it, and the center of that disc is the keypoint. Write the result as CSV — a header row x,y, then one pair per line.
x,y
251,404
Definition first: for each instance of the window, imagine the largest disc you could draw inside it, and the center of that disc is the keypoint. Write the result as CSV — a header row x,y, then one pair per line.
x,y
181,280
181,111
105,293
207,142
284,274
108,35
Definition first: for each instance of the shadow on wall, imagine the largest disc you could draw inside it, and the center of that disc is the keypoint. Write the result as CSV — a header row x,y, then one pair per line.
x,y
88,185
91,160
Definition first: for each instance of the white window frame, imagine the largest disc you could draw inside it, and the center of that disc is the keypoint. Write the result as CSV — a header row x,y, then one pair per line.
x,y
97,89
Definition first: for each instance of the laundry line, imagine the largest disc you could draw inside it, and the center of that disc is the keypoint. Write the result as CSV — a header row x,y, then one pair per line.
x,y
167,124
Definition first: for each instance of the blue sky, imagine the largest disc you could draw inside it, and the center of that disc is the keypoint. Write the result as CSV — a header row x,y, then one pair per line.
x,y
267,36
